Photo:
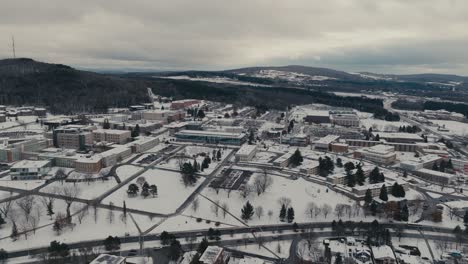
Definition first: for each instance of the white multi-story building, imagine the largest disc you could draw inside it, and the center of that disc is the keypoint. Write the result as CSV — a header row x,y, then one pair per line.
x,y
29,169
383,154
246,152
112,135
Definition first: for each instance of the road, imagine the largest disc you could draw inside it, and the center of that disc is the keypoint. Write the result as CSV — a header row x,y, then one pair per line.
x,y
445,234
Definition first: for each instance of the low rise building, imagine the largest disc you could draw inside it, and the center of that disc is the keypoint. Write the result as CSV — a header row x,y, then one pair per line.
x,y
109,259
399,137
73,136
383,255
112,135
212,255
297,140
381,154
325,142
166,116
29,169
142,144
339,147
283,160
183,104
426,161
347,120
210,137
360,191
436,176
246,153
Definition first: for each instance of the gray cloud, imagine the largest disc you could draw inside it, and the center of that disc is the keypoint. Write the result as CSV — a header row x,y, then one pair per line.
x,y
355,35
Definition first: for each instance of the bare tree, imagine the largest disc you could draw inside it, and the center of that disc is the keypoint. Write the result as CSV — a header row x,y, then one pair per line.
x,y
262,182
35,219
311,207
270,213
26,204
339,210
215,208
225,208
317,211
81,213
88,177
71,192
259,211
110,216
5,207
284,200
195,205
246,190
326,209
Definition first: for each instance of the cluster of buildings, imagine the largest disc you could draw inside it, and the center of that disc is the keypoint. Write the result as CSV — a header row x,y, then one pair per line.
x,y
21,111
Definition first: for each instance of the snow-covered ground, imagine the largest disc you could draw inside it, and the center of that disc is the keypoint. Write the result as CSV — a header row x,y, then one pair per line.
x,y
456,128
88,191
382,125
214,80
171,193
280,248
126,171
25,185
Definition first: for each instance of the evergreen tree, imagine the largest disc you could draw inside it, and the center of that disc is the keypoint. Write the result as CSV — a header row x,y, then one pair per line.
x,y
247,211
404,213
396,189
435,167
201,114
373,208
218,155
145,190
450,164
14,232
349,166
290,215
383,193
202,246
124,209
374,175
351,179
2,221
465,218
405,174
251,137
175,250
282,215
359,175
339,163
377,138
106,124
296,158
368,198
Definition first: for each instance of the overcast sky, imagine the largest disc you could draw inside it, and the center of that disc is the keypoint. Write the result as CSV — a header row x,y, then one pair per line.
x,y
392,36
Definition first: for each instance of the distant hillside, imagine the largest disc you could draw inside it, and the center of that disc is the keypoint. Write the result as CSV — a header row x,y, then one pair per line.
x,y
63,89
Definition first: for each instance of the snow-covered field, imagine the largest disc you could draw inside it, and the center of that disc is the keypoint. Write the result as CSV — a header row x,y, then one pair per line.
x,y
171,193
214,80
300,192
280,248
88,191
126,171
25,185
382,125
456,128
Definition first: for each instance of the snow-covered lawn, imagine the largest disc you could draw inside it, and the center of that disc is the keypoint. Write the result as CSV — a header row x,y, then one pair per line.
x,y
126,171
280,248
88,191
25,185
92,227
195,151
456,128
171,193
382,125
300,192
180,222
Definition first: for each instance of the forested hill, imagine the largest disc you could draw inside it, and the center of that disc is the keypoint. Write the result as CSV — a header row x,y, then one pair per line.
x,y
63,89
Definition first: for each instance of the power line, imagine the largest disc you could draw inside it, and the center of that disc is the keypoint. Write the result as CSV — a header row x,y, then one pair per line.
x,y
13,46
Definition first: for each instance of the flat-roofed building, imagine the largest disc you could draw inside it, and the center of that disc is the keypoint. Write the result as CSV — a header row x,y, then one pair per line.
x,y
166,116
399,137
283,160
414,164
381,154
317,117
324,143
89,164
383,255
115,155
339,147
360,191
348,120
73,136
112,135
211,137
436,176
29,169
186,103
212,255
142,144
246,152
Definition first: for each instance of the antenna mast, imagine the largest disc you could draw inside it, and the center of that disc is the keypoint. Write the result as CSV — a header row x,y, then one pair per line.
x,y
13,46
